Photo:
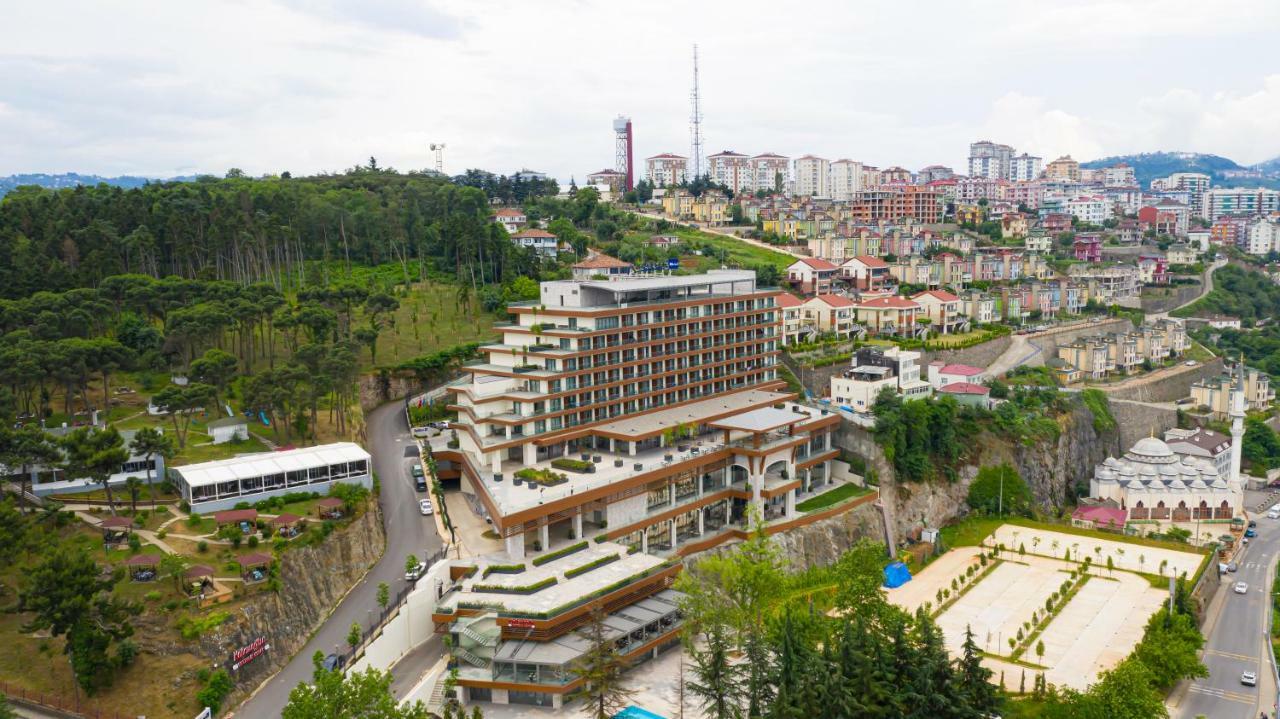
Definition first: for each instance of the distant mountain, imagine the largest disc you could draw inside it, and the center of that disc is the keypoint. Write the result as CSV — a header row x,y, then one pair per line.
x,y
1270,167
1151,165
73,179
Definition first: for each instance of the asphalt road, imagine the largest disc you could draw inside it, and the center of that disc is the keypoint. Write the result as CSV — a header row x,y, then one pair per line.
x,y
408,532
1237,641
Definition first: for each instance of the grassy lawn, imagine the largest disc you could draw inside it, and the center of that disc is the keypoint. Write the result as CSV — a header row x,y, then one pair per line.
x,y
1199,353
831,497
739,253
970,532
208,451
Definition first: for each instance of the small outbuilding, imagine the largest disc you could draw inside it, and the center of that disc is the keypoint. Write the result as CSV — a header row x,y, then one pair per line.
x,y
228,429
116,530
243,518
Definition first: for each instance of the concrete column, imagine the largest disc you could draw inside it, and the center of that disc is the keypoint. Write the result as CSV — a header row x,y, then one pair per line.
x,y
495,461
671,493
701,522
577,523
530,453
557,701
631,448
515,546
791,503
756,481
644,540
544,535
673,534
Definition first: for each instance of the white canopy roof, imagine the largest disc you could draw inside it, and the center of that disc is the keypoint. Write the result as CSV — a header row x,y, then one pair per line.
x,y
265,463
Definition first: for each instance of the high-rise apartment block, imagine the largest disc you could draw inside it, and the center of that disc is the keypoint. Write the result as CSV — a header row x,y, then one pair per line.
x,y
1025,168
811,176
845,180
991,160
733,170
667,169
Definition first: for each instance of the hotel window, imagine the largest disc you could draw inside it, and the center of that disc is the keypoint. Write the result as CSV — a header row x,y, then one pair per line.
x,y
318,474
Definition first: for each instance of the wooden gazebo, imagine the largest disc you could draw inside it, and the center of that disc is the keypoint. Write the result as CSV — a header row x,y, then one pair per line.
x,y
330,508
116,530
253,567
142,567
287,525
235,517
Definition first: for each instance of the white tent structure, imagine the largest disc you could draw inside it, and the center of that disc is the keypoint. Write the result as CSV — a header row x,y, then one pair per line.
x,y
222,484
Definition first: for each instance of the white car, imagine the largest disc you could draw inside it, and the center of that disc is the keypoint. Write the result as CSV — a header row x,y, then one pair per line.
x,y
425,507
1273,514
1191,363
420,432
416,573
1240,588
1249,679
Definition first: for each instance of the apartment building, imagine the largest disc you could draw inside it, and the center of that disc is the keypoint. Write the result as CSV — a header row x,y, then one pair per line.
x,y
1195,184
1119,175
1063,168
812,275
1262,237
893,316
830,314
1230,230
624,423
511,219
933,173
990,160
1180,253
733,170
1025,168
678,204
772,172
667,169
846,180
1087,356
873,369
794,328
1093,209
944,311
1166,216
1152,270
1240,200
866,273
897,204
811,176
978,306
540,241
1215,393
1162,340
1108,284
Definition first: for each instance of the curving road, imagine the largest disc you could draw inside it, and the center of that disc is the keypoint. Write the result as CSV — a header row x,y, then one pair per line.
x,y
408,532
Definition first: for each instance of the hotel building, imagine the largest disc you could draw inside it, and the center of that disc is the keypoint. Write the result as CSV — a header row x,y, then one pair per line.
x,y
618,426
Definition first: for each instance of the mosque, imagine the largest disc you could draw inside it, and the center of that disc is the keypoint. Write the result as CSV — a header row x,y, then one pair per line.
x,y
1153,482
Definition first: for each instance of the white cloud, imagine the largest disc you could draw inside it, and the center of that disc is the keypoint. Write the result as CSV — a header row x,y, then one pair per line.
x,y
267,85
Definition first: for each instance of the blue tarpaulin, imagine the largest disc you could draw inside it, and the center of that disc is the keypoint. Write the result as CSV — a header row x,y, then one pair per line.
x,y
896,575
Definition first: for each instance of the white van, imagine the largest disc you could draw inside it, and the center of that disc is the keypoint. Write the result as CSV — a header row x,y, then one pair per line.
x,y
1273,514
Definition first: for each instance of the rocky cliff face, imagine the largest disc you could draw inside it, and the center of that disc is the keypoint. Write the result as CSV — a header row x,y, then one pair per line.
x,y
822,543
1051,469
313,580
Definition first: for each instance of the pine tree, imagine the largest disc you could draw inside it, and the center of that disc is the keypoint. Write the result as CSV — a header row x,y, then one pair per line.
x,y
975,679
717,681
603,691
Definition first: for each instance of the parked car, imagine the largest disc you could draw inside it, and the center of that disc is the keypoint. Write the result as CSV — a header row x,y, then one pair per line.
x,y
1249,679
1240,588
1191,363
1232,567
1273,514
332,662
421,432
1253,523
416,573
1250,533
425,507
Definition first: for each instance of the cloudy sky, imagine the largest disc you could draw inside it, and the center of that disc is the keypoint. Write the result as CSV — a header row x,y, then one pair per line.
x,y
162,88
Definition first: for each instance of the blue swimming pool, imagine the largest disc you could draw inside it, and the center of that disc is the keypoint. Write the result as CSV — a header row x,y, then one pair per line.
x,y
635,712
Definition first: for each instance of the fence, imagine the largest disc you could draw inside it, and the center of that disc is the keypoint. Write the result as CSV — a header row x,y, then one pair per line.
x,y
71,707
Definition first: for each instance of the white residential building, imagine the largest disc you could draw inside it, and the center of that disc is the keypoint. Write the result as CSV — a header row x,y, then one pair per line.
x,y
1025,168
1195,184
990,160
874,369
811,176
942,374
772,172
1263,236
1121,175
733,170
666,170
1089,208
511,218
845,180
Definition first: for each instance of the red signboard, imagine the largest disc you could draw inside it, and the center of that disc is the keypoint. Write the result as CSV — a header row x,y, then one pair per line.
x,y
520,623
249,652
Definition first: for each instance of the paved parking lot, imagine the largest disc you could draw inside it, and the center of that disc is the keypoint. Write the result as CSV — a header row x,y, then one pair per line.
x,y
1134,557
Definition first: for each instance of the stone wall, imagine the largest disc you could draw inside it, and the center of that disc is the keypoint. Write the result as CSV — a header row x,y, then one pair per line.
x,y
1138,420
1179,295
1169,385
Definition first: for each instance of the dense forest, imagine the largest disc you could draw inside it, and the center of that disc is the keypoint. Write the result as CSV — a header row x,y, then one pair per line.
x,y
252,230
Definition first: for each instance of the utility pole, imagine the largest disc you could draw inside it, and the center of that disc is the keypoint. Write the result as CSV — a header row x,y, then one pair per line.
x,y
1000,501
